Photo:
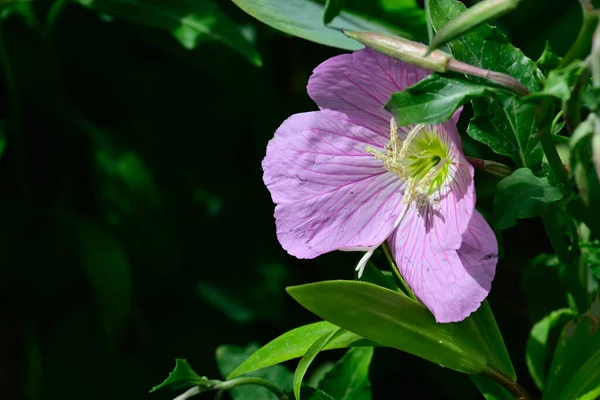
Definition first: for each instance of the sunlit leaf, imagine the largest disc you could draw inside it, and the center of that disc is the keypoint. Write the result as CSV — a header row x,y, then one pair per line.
x,y
304,19
392,319
294,344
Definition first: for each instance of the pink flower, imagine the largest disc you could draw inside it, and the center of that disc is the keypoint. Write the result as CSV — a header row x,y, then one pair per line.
x,y
347,178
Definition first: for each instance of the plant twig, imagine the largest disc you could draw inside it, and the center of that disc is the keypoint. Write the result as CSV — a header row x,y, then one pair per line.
x,y
512,386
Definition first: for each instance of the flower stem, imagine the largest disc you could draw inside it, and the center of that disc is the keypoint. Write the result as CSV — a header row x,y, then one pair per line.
x,y
388,255
512,386
253,381
583,41
226,385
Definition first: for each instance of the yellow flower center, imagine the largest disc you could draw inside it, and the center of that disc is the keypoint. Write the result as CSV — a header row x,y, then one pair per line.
x,y
422,160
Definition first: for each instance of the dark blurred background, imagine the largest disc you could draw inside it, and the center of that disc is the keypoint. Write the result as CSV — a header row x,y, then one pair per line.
x,y
135,225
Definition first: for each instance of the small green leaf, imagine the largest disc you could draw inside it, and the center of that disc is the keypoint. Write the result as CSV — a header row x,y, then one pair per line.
x,y
308,358
332,9
490,389
189,21
506,124
586,382
522,195
537,352
578,344
230,357
549,60
483,324
434,99
349,379
294,344
303,18
183,376
392,319
560,82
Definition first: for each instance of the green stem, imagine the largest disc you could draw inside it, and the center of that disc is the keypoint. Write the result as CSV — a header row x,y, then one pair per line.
x,y
428,21
253,381
552,156
388,255
512,386
582,43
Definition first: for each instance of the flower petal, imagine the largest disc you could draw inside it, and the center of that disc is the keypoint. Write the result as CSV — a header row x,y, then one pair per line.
x,y
451,283
330,193
360,84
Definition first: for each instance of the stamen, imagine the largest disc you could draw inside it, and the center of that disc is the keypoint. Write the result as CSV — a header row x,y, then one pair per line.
x,y
363,262
411,135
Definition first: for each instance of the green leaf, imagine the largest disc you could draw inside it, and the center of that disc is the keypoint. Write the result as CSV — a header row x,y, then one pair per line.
x,y
549,60
308,358
522,195
579,343
434,99
483,324
303,18
560,82
506,124
490,389
183,376
294,344
189,21
586,382
392,319
349,379
537,353
332,9
230,357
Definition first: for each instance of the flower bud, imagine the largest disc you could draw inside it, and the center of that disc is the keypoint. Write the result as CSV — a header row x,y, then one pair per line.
x,y
402,49
467,20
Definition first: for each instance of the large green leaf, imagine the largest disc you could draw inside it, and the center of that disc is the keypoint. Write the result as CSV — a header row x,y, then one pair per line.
x,y
483,324
294,344
392,319
190,21
537,352
304,19
349,378
522,195
434,99
578,344
308,358
230,357
506,124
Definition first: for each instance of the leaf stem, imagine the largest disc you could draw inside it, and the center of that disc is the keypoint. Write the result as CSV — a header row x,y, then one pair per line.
x,y
428,22
388,255
513,387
